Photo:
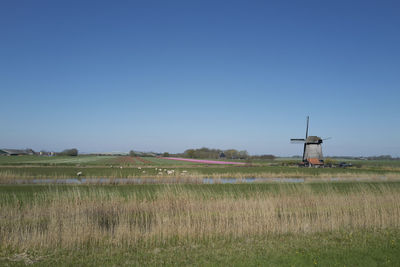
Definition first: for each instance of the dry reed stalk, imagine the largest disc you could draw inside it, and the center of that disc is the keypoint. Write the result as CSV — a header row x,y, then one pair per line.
x,y
76,218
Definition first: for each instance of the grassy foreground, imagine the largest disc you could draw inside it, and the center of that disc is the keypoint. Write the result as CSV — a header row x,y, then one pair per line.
x,y
332,224
325,249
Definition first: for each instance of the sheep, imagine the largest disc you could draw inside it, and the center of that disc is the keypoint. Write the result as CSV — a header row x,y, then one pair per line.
x,y
79,174
139,168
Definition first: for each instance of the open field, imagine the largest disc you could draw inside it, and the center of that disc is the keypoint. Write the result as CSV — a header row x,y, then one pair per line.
x,y
13,169
89,160
29,173
57,160
333,224
204,161
311,223
85,160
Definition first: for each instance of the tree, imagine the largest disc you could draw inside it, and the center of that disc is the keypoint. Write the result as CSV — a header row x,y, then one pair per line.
x,y
190,153
165,154
132,153
243,154
231,154
330,161
69,152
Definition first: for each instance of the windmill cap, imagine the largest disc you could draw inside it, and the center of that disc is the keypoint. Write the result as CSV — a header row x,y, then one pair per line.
x,y
314,140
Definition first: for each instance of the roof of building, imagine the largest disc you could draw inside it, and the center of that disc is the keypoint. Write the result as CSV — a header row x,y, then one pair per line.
x,y
314,140
315,161
16,151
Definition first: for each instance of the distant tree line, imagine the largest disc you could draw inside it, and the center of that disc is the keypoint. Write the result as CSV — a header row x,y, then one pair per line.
x,y
266,157
211,153
73,152
133,153
68,152
381,157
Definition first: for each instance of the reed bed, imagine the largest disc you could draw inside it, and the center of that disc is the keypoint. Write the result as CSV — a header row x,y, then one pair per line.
x,y
83,218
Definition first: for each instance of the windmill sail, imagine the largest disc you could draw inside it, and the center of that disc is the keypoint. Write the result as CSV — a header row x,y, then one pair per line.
x,y
312,151
305,144
308,120
297,140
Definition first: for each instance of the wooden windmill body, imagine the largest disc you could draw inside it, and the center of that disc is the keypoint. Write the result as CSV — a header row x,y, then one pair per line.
x,y
312,152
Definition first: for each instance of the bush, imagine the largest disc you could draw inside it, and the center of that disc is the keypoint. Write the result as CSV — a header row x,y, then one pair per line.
x,y
330,161
69,152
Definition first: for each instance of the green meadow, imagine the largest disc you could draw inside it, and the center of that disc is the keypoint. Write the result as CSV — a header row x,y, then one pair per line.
x,y
26,168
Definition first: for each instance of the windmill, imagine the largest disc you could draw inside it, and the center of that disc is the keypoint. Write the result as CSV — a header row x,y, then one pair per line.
x,y
312,152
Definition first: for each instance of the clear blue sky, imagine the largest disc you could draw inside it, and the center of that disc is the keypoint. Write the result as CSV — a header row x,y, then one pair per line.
x,y
171,75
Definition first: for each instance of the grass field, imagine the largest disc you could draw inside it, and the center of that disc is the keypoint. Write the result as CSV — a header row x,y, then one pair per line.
x,y
32,167
27,173
58,160
312,223
327,224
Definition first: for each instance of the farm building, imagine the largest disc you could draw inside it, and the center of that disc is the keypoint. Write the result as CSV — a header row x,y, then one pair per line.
x,y
16,152
46,153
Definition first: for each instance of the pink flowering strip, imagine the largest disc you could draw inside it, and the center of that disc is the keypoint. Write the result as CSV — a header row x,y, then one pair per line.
x,y
207,161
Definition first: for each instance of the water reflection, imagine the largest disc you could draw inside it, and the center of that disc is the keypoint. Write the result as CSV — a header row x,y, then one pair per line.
x,y
191,180
195,180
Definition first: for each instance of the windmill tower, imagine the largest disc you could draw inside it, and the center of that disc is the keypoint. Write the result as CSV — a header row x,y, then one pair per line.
x,y
312,152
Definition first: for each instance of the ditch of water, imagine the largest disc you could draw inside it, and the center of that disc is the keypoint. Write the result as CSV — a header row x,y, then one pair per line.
x,y
189,180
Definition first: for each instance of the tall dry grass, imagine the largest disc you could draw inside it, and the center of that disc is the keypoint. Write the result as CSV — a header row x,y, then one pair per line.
x,y
78,218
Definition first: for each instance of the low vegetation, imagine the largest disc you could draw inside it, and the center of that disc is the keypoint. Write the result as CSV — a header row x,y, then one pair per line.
x,y
219,224
179,221
69,152
26,168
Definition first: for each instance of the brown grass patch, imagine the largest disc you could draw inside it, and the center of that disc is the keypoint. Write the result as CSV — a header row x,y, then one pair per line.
x,y
76,218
